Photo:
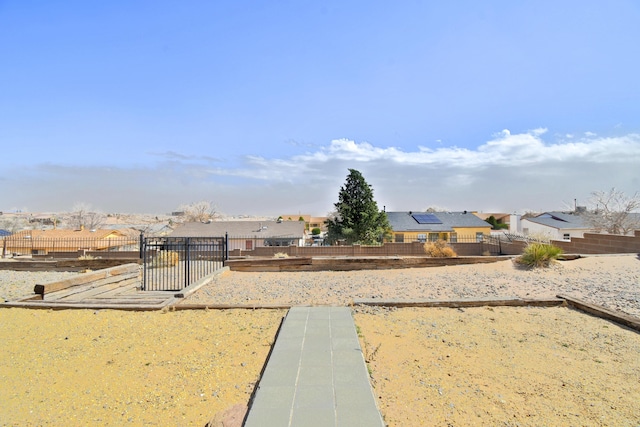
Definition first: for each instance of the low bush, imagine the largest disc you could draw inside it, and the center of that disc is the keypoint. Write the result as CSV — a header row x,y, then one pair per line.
x,y
281,255
166,259
538,255
439,249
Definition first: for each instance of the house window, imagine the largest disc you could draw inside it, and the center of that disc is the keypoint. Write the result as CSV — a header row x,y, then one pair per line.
x,y
566,236
422,238
399,238
248,245
433,237
454,237
479,235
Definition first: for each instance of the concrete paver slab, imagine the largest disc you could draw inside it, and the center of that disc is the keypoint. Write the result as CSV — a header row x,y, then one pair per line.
x,y
316,374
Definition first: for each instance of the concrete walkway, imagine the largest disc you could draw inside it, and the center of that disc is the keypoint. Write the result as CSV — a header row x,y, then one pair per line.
x,y
315,375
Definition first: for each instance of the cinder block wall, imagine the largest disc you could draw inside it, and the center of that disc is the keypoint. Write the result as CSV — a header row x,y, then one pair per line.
x,y
589,244
593,243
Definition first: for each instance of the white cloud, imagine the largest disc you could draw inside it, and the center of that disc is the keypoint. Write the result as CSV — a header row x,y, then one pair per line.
x,y
512,170
506,149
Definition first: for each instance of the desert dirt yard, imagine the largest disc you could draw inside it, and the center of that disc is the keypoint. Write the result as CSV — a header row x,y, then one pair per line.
x,y
429,366
501,366
507,366
107,367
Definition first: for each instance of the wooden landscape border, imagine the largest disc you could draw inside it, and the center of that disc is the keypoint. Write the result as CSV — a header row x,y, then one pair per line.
x,y
97,278
462,303
66,264
602,312
620,318
350,263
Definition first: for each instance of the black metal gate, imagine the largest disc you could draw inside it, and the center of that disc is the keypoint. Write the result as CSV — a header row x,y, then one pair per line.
x,y
173,263
491,244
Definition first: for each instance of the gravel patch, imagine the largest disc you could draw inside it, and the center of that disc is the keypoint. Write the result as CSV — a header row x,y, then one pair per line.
x,y
15,285
609,281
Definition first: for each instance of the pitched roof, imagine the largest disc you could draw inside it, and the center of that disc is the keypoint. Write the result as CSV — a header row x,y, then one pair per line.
x,y
560,220
68,234
497,215
266,229
405,221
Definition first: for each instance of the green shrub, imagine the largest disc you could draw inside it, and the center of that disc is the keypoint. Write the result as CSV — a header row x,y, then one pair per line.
x,y
315,231
166,259
538,255
439,249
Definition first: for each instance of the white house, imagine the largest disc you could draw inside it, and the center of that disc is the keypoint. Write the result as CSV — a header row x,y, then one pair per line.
x,y
247,235
555,225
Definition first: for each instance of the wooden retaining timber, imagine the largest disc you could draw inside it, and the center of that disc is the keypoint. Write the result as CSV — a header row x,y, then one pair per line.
x,y
96,279
350,263
65,265
602,312
179,306
462,303
54,305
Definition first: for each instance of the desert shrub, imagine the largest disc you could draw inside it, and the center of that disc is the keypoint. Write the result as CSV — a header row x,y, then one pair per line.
x,y
86,257
537,255
166,259
280,255
439,249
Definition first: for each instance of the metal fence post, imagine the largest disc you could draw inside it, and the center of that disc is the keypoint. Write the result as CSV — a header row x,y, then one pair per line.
x,y
141,244
187,261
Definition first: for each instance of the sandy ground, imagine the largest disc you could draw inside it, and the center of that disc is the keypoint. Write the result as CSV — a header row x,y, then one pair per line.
x,y
441,367
501,367
85,367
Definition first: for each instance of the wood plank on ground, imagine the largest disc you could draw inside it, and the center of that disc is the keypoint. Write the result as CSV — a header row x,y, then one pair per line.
x,y
604,313
353,263
80,289
461,303
85,278
125,287
95,292
97,306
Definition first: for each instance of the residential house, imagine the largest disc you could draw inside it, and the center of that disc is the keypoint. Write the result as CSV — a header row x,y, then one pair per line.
x,y
555,225
450,226
310,222
156,229
501,218
247,235
42,242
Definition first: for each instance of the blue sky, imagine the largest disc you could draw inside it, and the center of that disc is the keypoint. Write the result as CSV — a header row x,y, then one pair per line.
x,y
262,106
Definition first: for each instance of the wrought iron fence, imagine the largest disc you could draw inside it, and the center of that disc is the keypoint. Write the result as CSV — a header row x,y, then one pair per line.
x,y
21,245
173,263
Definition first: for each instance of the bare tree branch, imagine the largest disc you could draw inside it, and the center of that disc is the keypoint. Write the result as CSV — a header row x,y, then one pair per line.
x,y
202,211
83,216
613,212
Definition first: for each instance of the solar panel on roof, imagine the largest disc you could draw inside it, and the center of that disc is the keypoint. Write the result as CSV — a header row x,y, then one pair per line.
x,y
426,219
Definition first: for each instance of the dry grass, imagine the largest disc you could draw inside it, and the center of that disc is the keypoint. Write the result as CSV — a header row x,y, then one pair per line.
x,y
538,255
439,249
166,259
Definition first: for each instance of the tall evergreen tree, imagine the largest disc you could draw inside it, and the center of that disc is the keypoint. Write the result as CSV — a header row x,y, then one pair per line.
x,y
357,218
